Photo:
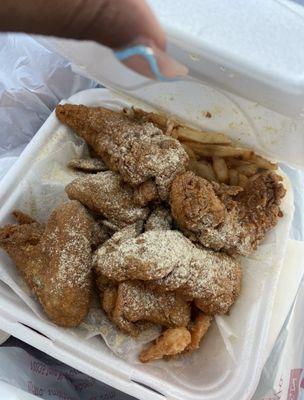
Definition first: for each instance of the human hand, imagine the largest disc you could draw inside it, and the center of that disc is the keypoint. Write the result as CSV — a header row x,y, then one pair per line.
x,y
114,23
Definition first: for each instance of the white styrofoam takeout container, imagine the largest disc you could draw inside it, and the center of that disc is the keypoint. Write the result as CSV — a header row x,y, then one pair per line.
x,y
219,378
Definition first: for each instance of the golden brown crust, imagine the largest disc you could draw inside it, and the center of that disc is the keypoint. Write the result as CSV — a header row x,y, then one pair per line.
x,y
212,279
176,341
21,244
68,279
194,203
151,255
137,302
173,341
55,261
261,200
106,194
198,328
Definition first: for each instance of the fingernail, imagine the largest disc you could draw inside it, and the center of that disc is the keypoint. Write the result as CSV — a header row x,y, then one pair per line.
x,y
143,57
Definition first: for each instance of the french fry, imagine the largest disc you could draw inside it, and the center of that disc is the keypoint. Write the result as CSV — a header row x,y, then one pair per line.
x,y
235,162
205,171
261,162
248,170
253,177
220,169
202,161
214,150
173,133
233,177
242,180
170,131
186,133
206,144
189,151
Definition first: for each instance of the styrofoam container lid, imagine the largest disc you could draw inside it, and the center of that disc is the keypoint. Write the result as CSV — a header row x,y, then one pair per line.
x,y
252,48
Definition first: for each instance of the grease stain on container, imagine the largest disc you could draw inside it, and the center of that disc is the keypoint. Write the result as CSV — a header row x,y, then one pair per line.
x,y
232,125
269,128
206,114
216,110
194,57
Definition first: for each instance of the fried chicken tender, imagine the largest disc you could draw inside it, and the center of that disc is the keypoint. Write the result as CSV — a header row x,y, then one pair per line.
x,y
194,202
55,261
138,151
198,328
173,341
168,261
151,255
106,194
136,302
212,279
226,218
177,341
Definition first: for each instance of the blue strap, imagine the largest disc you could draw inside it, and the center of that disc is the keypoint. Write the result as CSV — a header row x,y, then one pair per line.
x,y
147,54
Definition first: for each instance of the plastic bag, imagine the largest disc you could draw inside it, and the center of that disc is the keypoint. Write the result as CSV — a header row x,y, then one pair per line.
x,y
283,373
34,372
32,81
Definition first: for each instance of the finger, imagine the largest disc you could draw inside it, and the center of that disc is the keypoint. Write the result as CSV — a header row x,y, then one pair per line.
x,y
113,23
119,22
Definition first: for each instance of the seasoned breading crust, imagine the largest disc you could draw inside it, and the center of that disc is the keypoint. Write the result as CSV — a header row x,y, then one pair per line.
x,y
226,218
106,194
170,262
55,261
137,302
